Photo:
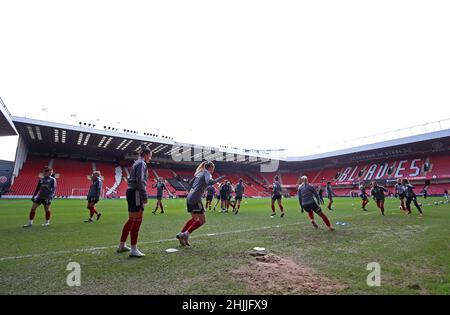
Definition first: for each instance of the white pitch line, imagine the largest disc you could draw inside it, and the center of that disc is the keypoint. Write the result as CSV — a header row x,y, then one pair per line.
x,y
92,249
84,250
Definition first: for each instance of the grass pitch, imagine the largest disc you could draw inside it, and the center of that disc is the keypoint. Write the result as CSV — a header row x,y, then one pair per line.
x,y
413,253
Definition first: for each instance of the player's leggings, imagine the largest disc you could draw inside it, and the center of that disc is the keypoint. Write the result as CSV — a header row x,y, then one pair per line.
x,y
416,204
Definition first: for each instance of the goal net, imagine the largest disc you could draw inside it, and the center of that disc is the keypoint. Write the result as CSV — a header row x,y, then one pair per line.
x,y
79,192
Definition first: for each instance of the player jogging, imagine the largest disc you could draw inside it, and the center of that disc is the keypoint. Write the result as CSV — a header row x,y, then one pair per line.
x,y
224,196
411,197
230,195
320,192
276,195
378,194
210,191
43,195
202,179
363,195
93,196
306,194
160,186
239,190
218,197
330,194
137,198
400,192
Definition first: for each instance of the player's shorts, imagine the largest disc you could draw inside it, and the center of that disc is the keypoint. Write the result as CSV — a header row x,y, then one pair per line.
x,y
92,200
159,198
363,196
223,197
209,198
401,196
312,207
330,197
195,208
229,197
218,197
276,197
42,201
238,198
134,200
379,199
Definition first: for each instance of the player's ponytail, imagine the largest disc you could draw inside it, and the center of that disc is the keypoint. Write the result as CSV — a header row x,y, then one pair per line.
x,y
144,150
304,180
203,166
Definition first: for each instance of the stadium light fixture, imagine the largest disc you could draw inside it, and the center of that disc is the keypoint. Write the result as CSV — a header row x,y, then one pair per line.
x,y
126,145
31,133
86,139
80,138
101,141
63,136
38,133
121,144
107,142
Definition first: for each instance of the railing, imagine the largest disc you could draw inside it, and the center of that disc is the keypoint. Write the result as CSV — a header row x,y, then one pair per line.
x,y
6,109
379,137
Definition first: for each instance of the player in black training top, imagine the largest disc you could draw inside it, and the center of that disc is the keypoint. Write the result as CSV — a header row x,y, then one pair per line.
x,y
160,186
378,195
411,197
210,191
239,191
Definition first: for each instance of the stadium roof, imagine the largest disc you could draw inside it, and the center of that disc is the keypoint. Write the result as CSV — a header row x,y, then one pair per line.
x,y
91,143
427,132
6,125
63,140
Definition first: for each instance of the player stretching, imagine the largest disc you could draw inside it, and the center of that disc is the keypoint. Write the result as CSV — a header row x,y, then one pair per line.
x,y
378,194
202,179
229,195
210,191
306,194
276,195
330,194
239,190
321,195
411,197
160,186
218,196
93,196
43,195
400,192
136,198
224,196
363,195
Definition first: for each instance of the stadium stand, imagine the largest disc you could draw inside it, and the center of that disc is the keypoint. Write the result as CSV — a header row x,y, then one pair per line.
x,y
25,184
73,177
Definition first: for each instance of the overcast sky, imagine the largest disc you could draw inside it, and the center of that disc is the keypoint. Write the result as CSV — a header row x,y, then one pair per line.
x,y
252,74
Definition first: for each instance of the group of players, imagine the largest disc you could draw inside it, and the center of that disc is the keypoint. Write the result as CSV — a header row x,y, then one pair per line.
x,y
203,184
403,190
224,195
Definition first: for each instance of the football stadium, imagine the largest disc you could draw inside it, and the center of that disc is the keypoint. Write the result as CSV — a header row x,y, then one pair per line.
x,y
231,155
265,244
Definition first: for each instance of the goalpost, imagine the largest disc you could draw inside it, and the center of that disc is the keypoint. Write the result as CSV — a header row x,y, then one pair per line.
x,y
79,193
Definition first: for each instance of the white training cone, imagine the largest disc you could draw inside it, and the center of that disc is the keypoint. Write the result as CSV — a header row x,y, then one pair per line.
x,y
259,249
171,250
